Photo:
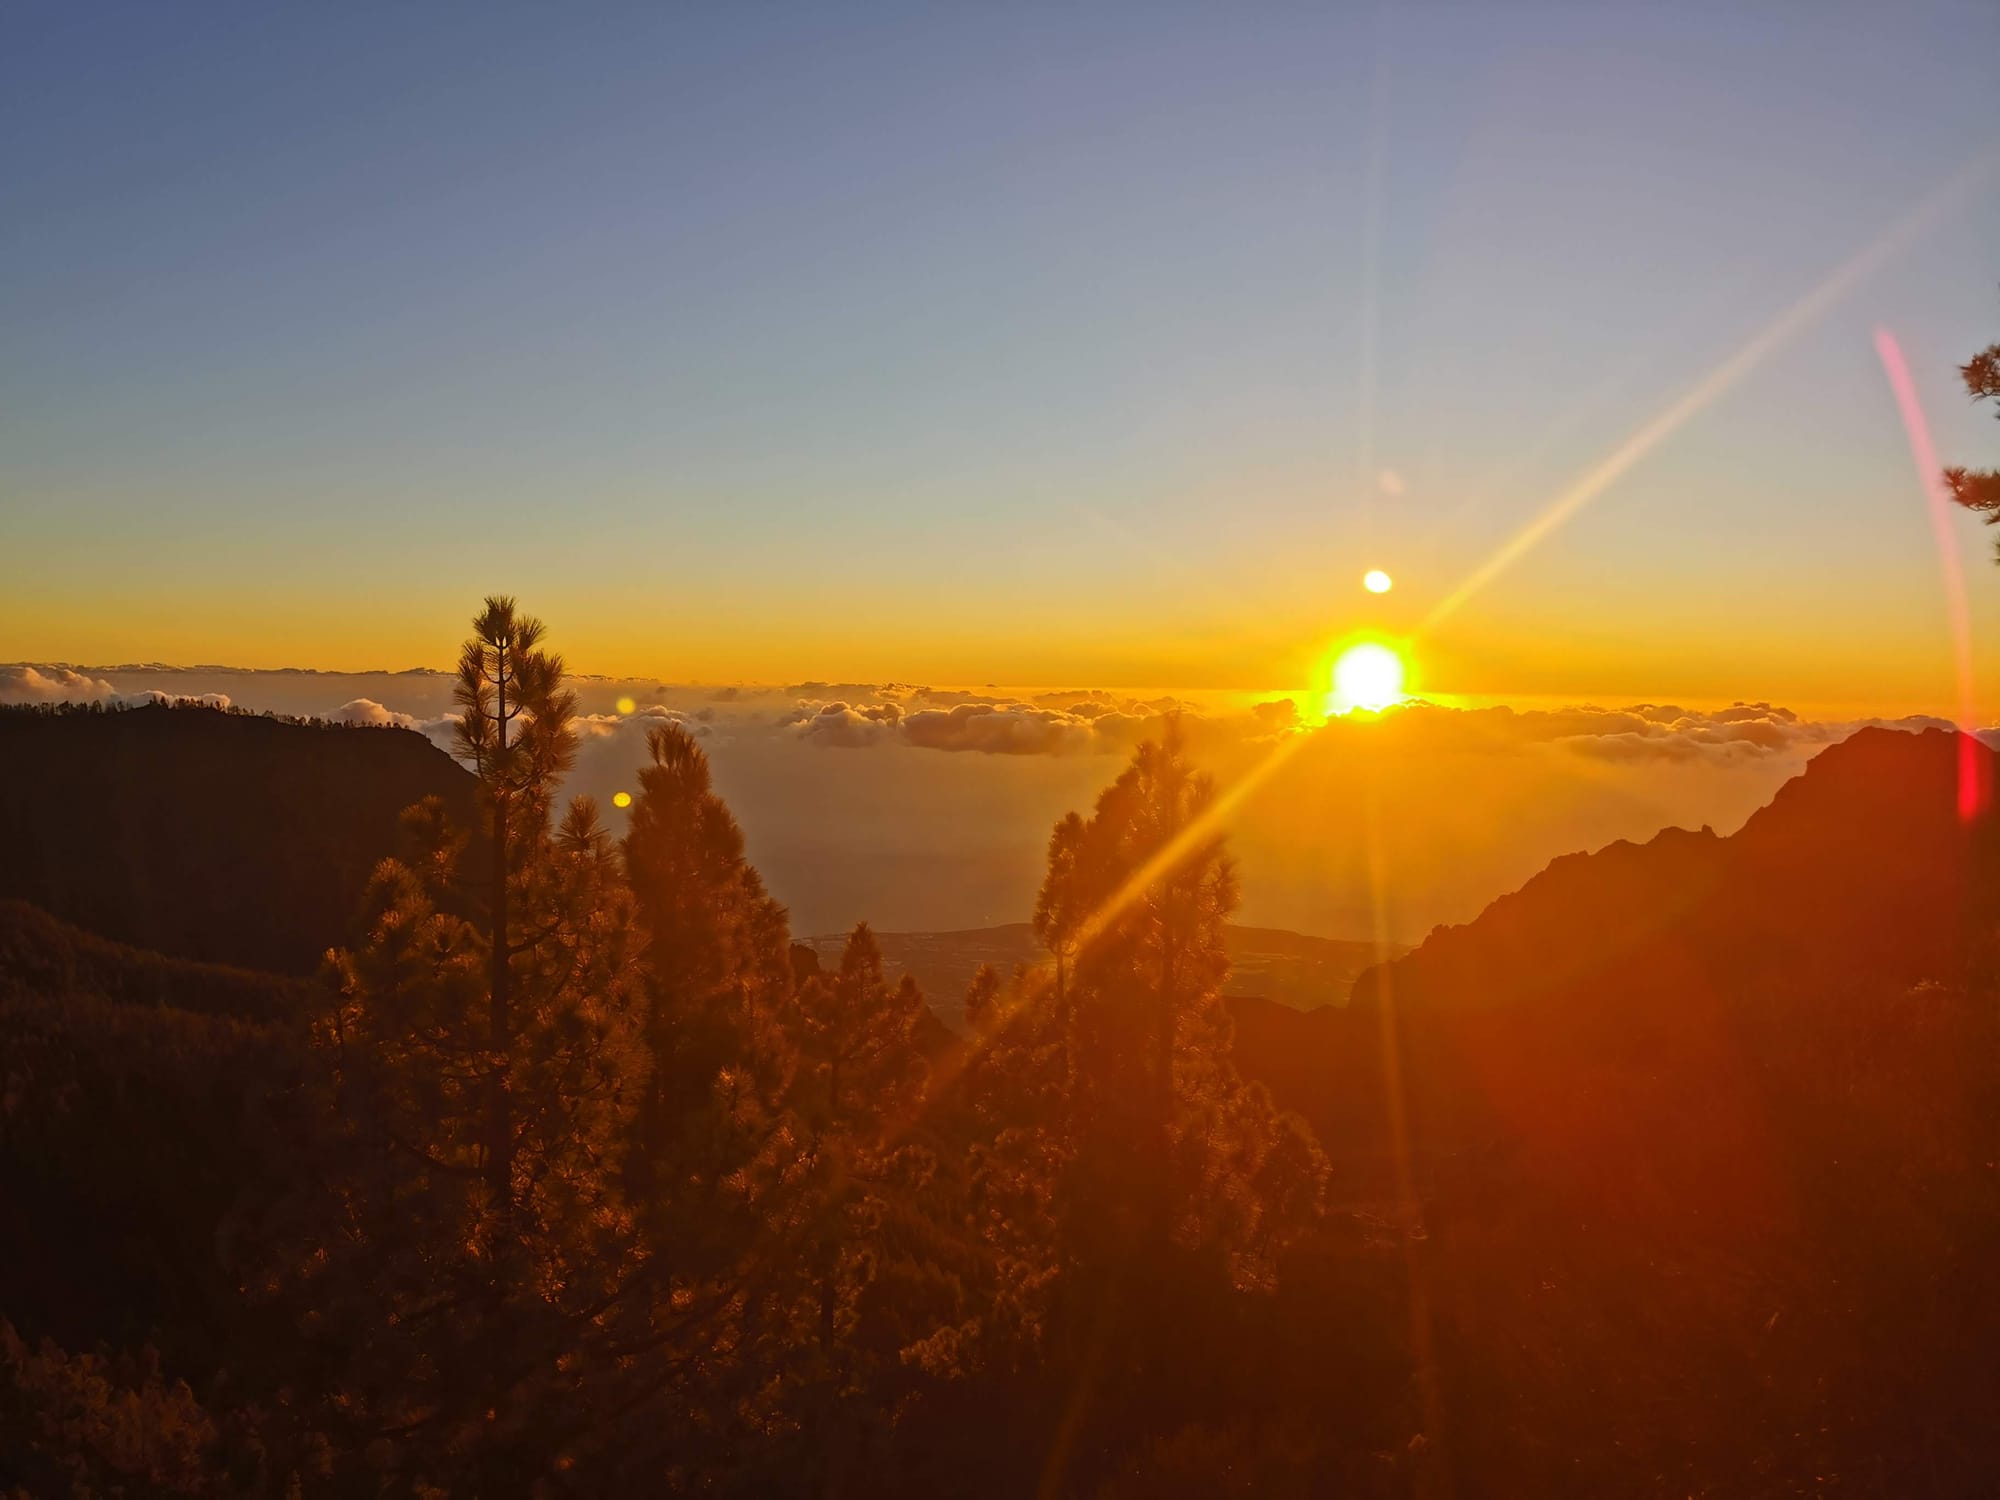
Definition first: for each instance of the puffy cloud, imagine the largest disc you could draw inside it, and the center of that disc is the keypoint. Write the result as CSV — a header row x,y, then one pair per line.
x,y
838,726
945,697
25,684
999,729
368,711
1741,731
1065,723
1276,715
848,691
441,731
635,724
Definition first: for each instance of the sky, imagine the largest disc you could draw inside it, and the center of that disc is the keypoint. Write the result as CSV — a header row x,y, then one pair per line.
x,y
1093,346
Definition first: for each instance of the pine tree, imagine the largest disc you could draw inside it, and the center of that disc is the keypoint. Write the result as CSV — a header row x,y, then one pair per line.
x,y
718,978
1166,1132
1059,917
514,727
1979,490
718,1168
874,1182
863,1035
483,1074
1127,1187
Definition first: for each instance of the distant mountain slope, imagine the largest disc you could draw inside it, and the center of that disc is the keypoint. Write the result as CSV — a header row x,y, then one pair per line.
x,y
1859,870
1660,985
1287,967
221,837
1691,1143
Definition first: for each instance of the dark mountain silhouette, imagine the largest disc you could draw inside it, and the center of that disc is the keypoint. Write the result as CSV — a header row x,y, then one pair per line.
x,y
1860,870
1657,970
1860,878
1690,1142
201,834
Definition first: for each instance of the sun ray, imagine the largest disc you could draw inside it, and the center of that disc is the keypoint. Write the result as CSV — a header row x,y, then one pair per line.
x,y
1794,320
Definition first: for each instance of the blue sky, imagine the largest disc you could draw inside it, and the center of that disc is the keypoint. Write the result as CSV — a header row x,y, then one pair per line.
x,y
1028,344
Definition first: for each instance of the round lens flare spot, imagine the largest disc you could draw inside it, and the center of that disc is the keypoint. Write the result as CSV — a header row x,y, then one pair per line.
x,y
621,799
626,706
1377,582
1368,677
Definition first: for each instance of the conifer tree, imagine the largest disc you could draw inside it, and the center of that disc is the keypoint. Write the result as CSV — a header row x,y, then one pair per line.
x,y
1165,1130
514,727
1979,490
1058,918
718,977
863,1035
483,1073
718,1167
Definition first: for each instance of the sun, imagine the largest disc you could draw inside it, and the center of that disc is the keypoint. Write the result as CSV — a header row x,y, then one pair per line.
x,y
1377,582
1368,676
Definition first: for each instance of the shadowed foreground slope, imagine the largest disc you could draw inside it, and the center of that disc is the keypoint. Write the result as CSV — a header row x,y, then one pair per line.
x,y
1697,1197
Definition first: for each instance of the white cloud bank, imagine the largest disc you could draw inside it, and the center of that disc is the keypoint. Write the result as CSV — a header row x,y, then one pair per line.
x,y
24,683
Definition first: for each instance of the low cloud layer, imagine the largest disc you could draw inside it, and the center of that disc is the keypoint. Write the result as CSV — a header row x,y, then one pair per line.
x,y
26,684
857,716
1061,723
21,683
923,807
1642,732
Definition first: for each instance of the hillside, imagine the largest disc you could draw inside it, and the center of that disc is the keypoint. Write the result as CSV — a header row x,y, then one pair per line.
x,y
1859,870
1859,879
1726,1101
220,837
41,956
141,1107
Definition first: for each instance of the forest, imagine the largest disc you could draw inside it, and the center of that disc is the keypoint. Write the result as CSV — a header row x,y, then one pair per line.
x,y
568,1172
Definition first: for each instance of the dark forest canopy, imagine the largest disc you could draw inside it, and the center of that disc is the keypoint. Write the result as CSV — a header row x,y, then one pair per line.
x,y
568,1173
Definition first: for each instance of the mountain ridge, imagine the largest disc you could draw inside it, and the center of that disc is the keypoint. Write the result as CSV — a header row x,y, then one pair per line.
x,y
205,834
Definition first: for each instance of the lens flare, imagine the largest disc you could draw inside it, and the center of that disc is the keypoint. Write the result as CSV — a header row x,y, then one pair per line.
x,y
1377,582
1368,677
621,799
627,705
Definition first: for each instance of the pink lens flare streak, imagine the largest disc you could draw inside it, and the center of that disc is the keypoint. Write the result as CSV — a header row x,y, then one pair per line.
x,y
1930,475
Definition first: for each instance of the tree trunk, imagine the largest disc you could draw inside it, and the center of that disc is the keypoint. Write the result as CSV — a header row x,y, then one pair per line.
x,y
500,1123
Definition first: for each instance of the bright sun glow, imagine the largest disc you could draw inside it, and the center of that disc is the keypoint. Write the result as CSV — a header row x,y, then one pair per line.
x,y
1376,581
1368,676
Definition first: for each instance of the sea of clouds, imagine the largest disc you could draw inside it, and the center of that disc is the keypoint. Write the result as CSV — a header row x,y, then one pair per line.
x,y
922,807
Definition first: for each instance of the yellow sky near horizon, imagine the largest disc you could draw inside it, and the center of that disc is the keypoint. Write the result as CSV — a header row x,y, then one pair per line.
x,y
1843,665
